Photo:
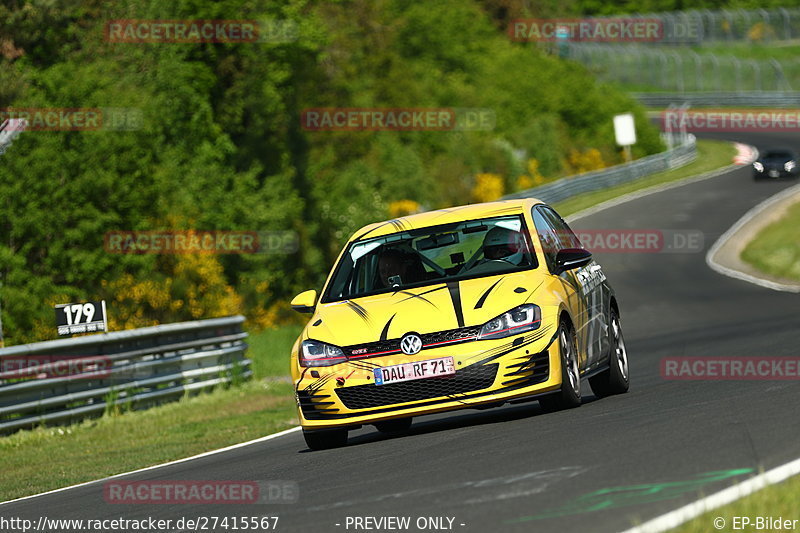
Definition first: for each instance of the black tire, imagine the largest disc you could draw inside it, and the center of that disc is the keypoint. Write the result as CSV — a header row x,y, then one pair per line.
x,y
569,395
325,439
396,426
615,380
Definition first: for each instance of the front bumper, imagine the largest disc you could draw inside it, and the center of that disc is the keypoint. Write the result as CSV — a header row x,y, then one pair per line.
x,y
775,173
487,371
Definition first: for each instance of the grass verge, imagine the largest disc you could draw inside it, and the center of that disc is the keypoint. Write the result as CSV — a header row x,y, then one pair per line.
x,y
776,248
269,350
44,459
711,155
113,444
775,501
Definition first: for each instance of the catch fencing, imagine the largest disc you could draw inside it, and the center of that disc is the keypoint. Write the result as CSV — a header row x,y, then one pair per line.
x,y
699,50
723,99
685,70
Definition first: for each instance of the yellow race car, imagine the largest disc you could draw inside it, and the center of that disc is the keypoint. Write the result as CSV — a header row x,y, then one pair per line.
x,y
466,307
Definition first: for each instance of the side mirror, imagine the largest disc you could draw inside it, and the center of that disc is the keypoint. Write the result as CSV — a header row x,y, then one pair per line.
x,y
305,301
571,258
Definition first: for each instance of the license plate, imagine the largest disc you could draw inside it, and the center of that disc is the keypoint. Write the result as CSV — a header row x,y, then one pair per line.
x,y
774,173
432,368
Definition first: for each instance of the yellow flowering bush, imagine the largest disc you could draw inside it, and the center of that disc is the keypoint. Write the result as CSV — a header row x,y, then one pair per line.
x,y
585,161
533,178
193,287
488,187
401,208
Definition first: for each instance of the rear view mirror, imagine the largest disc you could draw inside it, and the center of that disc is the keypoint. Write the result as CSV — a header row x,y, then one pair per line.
x,y
305,301
437,241
571,258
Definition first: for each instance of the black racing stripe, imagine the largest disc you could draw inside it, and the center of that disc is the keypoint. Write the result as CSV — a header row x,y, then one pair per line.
x,y
443,212
363,365
483,297
412,295
373,229
503,211
317,385
509,347
455,295
504,352
432,290
385,332
397,223
360,311
299,381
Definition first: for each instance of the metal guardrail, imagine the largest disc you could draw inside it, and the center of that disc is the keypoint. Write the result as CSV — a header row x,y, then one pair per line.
x,y
719,99
69,379
608,177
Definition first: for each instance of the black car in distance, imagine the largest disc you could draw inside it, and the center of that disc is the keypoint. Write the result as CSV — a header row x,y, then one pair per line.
x,y
776,163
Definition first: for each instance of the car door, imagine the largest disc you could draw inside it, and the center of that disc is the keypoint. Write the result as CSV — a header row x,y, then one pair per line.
x,y
553,239
587,281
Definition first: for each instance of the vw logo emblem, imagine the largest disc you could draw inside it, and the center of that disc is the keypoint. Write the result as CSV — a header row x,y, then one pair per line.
x,y
411,344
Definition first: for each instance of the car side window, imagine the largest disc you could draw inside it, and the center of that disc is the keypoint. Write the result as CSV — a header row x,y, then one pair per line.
x,y
547,236
566,237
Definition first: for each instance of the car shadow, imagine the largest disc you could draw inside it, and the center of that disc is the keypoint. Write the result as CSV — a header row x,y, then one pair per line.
x,y
497,415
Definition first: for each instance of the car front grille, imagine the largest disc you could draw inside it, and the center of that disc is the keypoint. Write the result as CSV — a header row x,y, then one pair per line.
x,y
429,340
470,379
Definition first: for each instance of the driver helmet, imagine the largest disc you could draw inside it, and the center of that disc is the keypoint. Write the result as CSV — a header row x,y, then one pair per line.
x,y
504,244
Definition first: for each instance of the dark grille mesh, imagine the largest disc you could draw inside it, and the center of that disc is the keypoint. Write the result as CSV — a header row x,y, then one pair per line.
x,y
470,379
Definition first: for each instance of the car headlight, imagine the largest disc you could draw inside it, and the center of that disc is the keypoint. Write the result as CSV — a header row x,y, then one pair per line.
x,y
789,166
524,318
316,353
758,166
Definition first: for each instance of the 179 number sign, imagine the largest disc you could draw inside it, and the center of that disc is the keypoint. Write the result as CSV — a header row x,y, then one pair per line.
x,y
88,317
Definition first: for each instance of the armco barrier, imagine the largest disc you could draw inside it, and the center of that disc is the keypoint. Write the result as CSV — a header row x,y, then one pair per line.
x,y
137,367
608,177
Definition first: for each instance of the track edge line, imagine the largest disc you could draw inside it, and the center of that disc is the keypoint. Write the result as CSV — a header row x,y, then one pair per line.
x,y
154,467
692,510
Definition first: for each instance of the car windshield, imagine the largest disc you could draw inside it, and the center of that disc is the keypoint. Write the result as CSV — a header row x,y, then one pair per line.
x,y
431,255
778,154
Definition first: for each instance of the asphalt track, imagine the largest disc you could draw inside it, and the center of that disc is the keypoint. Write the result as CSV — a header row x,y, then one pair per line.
x,y
605,466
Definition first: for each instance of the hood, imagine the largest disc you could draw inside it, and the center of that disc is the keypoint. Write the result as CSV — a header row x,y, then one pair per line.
x,y
428,309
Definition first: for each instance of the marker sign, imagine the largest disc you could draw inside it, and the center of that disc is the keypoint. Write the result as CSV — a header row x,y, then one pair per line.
x,y
88,317
624,129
